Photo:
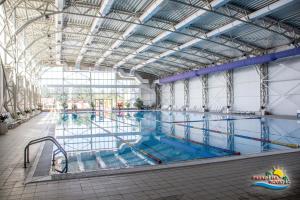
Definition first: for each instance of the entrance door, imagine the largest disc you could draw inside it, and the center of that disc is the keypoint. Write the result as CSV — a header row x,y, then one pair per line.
x,y
103,104
107,104
99,105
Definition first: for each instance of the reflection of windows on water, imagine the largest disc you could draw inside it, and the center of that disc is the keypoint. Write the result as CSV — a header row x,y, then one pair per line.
x,y
89,137
100,141
129,139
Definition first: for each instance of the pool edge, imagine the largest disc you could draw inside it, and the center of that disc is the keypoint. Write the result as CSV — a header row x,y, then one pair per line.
x,y
183,164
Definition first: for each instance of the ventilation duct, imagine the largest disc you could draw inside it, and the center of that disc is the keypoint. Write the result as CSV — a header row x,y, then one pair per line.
x,y
137,77
233,65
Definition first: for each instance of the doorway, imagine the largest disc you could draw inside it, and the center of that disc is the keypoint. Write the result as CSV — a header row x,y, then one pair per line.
x,y
103,105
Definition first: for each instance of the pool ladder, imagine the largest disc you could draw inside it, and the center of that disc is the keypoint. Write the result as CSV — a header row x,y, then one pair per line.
x,y
59,149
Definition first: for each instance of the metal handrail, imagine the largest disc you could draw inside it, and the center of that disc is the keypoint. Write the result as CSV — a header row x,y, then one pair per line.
x,y
59,149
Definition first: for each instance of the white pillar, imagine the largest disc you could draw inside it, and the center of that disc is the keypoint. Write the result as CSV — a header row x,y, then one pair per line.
x,y
1,88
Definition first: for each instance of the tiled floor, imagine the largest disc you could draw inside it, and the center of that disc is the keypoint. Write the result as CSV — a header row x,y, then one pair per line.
x,y
226,180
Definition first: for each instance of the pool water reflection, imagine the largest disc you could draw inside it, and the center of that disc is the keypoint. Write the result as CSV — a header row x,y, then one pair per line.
x,y
113,140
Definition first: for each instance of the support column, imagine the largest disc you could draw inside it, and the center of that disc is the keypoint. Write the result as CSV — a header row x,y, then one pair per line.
x,y
265,134
230,135
31,104
172,124
25,96
9,54
14,96
1,87
205,131
158,95
22,92
64,98
39,95
158,125
187,128
229,90
14,80
91,91
7,91
186,94
172,98
205,93
264,93
34,97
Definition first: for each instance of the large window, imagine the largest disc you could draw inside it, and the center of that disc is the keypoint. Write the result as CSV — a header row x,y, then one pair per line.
x,y
83,87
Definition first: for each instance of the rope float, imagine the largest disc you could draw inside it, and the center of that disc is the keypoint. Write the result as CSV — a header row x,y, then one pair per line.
x,y
212,120
290,145
295,146
225,150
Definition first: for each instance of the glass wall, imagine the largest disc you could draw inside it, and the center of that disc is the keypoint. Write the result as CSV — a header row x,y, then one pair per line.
x,y
80,88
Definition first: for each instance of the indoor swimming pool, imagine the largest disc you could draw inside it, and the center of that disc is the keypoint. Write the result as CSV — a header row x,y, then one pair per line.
x,y
115,140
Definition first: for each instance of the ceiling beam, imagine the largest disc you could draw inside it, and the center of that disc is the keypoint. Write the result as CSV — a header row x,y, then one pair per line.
x,y
184,23
224,29
59,23
149,12
104,10
243,47
194,51
265,23
163,29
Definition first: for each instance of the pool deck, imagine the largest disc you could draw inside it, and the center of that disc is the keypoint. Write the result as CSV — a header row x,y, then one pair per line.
x,y
221,180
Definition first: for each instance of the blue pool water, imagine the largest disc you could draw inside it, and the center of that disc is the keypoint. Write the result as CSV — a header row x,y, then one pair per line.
x,y
113,140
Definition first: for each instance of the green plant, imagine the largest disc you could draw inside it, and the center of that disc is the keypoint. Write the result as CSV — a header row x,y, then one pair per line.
x,y
127,105
93,105
16,116
93,116
27,110
74,107
65,117
3,117
139,104
64,105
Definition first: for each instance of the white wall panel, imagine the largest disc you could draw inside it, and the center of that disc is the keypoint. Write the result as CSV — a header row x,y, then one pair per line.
x,y
284,87
246,89
165,95
195,93
148,95
179,94
216,91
